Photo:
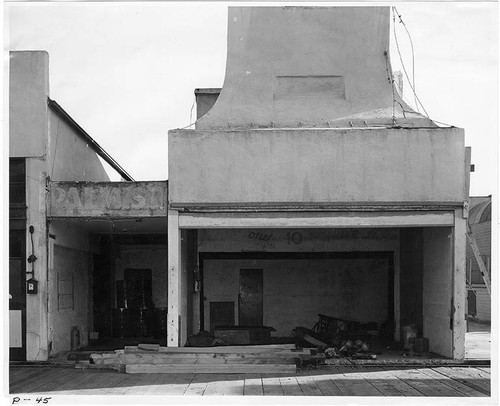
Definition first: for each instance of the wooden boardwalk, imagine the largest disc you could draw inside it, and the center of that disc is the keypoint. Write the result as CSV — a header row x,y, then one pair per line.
x,y
324,381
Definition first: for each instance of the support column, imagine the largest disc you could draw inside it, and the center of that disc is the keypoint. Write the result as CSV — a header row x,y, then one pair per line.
x,y
459,289
37,345
174,279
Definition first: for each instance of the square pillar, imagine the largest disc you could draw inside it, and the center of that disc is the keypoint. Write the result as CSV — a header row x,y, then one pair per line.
x,y
459,288
174,279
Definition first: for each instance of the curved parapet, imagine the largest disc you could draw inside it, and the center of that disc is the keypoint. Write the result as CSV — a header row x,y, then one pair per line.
x,y
307,67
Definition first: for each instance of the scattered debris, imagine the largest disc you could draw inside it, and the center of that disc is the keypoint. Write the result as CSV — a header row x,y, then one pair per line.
x,y
204,339
331,353
149,347
304,334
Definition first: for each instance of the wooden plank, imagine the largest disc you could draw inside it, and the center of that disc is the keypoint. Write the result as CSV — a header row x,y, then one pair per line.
x,y
227,349
272,386
149,347
209,368
134,383
383,381
479,383
17,373
77,379
473,372
462,390
253,385
402,388
424,384
96,383
290,386
351,383
308,386
314,341
128,384
485,369
173,358
198,384
24,376
37,380
67,380
172,384
225,385
119,385
326,385
148,385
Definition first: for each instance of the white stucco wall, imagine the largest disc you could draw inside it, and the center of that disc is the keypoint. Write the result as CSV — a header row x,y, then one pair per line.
x,y
322,166
28,92
296,291
72,159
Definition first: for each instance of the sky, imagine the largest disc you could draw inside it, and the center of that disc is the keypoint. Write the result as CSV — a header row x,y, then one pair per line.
x,y
126,72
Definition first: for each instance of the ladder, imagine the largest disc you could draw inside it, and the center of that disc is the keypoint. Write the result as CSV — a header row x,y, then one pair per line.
x,y
480,262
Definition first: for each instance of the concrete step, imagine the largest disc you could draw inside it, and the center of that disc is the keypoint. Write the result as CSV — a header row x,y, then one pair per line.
x,y
209,369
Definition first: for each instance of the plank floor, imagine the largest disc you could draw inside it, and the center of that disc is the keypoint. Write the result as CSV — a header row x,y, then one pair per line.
x,y
326,381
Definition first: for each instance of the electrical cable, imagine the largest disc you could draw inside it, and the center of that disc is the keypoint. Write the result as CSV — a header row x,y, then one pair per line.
x,y
404,68
395,10
390,78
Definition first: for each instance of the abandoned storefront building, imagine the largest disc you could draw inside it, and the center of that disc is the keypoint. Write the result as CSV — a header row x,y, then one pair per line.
x,y
310,188
307,187
75,237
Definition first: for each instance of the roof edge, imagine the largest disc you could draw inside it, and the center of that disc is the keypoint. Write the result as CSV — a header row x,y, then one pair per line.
x,y
61,113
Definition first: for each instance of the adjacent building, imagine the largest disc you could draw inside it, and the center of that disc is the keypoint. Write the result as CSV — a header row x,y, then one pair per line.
x,y
63,263
478,297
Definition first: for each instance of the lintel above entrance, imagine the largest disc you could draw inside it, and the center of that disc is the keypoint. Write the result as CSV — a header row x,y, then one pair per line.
x,y
316,220
107,199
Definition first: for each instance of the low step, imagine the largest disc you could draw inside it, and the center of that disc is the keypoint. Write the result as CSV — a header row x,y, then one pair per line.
x,y
228,349
201,358
209,369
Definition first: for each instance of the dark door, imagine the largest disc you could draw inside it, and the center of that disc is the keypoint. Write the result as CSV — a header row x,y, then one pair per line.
x,y
471,303
102,298
250,303
139,288
17,295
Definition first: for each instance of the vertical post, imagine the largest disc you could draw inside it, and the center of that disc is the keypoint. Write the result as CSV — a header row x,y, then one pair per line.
x,y
397,296
174,278
459,289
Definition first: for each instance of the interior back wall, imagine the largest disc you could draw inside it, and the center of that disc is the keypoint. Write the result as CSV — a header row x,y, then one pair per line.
x,y
295,291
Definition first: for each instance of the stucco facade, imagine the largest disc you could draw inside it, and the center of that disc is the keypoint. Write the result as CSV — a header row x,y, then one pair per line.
x,y
68,222
302,145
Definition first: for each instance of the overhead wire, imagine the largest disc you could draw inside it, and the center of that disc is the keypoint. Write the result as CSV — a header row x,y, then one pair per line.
x,y
417,99
395,10
190,116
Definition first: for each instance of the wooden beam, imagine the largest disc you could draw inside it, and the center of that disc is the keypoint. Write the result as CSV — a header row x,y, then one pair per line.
x,y
316,220
210,369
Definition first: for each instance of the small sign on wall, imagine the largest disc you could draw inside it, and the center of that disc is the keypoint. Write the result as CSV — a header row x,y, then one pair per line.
x,y
32,286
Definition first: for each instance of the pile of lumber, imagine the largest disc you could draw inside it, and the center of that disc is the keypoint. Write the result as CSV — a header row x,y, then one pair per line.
x,y
151,358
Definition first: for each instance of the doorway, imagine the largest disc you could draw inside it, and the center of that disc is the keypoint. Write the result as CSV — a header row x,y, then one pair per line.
x,y
250,298
17,296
